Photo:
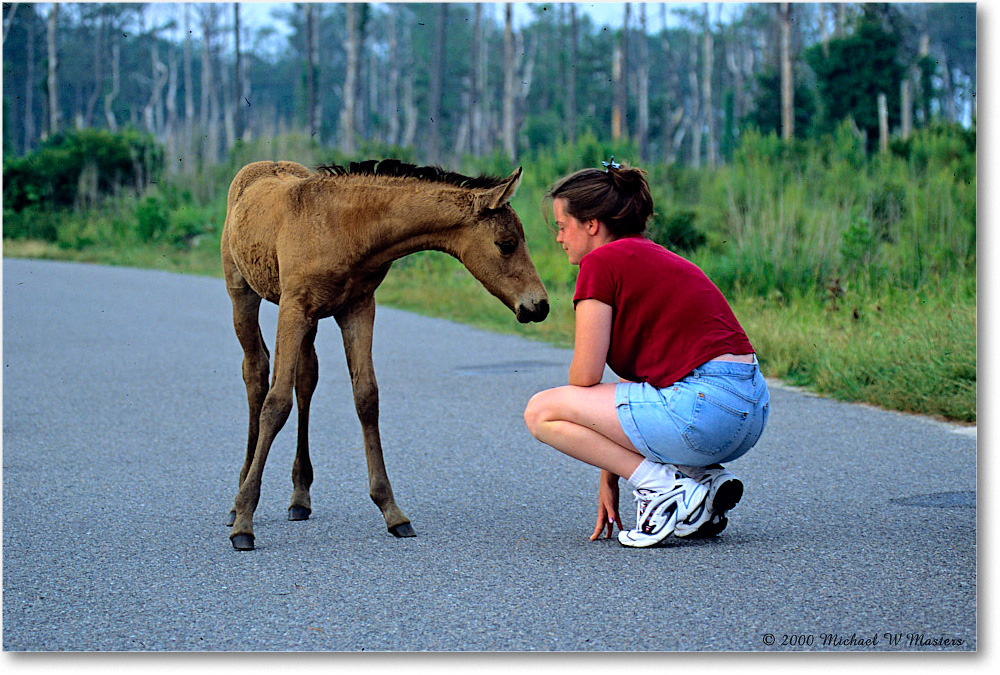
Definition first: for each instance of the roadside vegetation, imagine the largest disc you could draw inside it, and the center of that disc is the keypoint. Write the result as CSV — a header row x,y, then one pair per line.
x,y
854,273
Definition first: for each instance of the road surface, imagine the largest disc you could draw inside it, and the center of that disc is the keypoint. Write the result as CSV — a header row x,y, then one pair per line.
x,y
123,433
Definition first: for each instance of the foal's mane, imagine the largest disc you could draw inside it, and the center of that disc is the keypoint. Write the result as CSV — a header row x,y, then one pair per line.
x,y
397,169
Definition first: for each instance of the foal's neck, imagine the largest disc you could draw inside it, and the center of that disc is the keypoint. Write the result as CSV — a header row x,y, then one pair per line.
x,y
425,220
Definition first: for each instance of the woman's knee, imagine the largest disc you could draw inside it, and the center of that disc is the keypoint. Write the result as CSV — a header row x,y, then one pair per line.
x,y
538,411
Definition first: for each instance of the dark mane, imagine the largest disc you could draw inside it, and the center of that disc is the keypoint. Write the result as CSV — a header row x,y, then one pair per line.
x,y
396,168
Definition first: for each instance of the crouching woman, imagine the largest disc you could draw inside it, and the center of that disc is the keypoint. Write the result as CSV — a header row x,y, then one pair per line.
x,y
691,395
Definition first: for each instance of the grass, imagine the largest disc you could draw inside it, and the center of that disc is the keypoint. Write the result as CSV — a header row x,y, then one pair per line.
x,y
902,351
777,226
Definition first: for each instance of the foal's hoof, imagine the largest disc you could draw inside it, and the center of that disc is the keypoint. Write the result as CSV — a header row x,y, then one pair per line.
x,y
298,513
242,542
232,518
403,530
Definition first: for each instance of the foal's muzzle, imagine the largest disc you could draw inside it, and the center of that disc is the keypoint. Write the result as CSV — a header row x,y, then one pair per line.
x,y
536,311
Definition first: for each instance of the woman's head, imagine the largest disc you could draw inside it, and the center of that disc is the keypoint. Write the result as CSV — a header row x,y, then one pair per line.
x,y
618,197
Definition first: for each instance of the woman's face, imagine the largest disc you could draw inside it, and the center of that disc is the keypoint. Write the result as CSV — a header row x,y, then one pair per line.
x,y
572,235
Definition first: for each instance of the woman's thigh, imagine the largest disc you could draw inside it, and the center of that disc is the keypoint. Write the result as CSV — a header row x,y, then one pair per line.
x,y
591,407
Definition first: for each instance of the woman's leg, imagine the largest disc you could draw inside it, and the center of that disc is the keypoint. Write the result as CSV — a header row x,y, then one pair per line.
x,y
582,422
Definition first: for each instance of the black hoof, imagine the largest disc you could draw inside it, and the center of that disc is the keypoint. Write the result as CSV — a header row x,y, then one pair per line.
x,y
298,513
232,518
242,542
403,530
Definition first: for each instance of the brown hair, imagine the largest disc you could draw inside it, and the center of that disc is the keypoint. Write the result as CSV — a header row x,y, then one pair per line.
x,y
618,197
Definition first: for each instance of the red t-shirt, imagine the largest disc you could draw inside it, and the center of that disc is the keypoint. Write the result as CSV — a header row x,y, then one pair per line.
x,y
667,316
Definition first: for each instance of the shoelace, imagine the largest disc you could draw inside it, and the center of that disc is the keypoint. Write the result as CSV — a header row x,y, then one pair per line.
x,y
647,516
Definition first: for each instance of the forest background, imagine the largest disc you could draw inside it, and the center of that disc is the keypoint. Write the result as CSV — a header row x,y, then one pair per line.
x,y
818,161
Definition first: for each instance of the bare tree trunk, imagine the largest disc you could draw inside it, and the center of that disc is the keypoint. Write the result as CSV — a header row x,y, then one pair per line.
x,y
209,88
642,130
109,99
410,107
10,19
311,84
240,90
574,41
55,116
883,123
29,90
787,85
229,108
392,103
823,30
525,74
734,62
152,110
925,96
695,116
906,105
99,41
708,113
509,137
478,78
188,84
437,84
170,131
949,95
348,113
409,103
619,68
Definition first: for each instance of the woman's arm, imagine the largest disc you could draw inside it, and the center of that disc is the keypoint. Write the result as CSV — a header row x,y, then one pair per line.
x,y
593,337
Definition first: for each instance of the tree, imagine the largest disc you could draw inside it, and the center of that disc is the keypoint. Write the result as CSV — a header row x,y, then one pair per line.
x,y
642,72
436,84
787,83
619,73
859,68
55,114
708,113
509,68
347,110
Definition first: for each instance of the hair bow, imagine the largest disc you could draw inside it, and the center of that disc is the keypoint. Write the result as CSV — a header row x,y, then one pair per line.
x,y
612,164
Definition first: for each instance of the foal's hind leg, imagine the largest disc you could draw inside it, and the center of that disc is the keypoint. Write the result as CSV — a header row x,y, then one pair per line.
x,y
293,326
306,377
256,360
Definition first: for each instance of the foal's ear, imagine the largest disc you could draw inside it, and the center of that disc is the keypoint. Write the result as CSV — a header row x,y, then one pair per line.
x,y
496,197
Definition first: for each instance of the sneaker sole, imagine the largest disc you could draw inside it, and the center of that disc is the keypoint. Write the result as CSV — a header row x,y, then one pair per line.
x,y
728,496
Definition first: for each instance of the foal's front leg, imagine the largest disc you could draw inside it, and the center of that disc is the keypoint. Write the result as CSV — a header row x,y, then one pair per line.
x,y
357,326
293,326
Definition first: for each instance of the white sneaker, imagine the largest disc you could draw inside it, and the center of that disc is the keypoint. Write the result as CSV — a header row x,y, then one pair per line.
x,y
724,491
658,511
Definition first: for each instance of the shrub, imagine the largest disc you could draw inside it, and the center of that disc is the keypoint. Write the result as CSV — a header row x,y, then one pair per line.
x,y
107,162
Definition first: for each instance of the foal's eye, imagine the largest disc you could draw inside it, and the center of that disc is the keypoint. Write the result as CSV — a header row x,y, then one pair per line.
x,y
507,247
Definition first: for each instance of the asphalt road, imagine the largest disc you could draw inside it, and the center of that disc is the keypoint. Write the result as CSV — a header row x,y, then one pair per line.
x,y
123,433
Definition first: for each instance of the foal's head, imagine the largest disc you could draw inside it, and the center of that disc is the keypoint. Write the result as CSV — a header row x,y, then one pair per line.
x,y
492,247
483,231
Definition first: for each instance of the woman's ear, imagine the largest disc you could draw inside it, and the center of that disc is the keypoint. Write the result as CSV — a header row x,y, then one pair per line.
x,y
593,226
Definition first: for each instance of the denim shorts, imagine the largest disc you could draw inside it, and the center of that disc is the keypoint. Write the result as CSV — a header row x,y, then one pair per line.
x,y
713,415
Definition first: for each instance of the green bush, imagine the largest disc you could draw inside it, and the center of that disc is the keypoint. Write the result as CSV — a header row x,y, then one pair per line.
x,y
80,165
152,219
676,231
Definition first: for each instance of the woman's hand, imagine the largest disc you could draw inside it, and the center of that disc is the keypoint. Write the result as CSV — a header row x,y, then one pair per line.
x,y
607,506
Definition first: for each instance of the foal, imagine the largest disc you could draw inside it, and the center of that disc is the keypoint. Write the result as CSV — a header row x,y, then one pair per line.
x,y
318,245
